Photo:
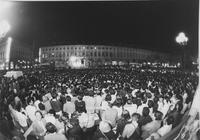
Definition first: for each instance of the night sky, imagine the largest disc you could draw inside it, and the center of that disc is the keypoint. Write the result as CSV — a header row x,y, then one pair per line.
x,y
149,24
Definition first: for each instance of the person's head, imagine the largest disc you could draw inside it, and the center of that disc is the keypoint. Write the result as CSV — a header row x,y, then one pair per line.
x,y
139,102
108,97
74,121
158,115
170,120
150,103
41,106
179,106
155,107
44,98
135,117
50,128
68,98
18,106
54,95
38,115
30,101
129,101
126,115
80,97
52,112
64,116
145,111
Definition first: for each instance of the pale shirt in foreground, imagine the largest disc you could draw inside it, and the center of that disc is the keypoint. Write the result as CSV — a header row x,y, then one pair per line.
x,y
87,120
89,104
30,110
132,108
129,129
150,128
164,130
98,101
119,110
55,136
21,118
50,118
110,115
104,105
69,107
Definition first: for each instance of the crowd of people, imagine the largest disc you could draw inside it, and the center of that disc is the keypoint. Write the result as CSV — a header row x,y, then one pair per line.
x,y
94,104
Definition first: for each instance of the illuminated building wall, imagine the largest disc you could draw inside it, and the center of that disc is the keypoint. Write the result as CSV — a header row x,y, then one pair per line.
x,y
14,54
97,54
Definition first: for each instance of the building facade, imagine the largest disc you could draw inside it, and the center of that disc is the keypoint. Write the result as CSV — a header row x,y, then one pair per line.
x,y
15,55
92,55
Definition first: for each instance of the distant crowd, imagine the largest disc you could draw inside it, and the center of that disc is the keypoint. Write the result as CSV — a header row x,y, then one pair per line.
x,y
94,104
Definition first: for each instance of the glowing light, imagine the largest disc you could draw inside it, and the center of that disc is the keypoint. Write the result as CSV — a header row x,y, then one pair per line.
x,y
5,9
4,4
4,28
8,47
182,39
40,53
75,62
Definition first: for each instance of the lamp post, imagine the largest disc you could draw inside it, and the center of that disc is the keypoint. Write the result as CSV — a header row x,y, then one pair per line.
x,y
182,40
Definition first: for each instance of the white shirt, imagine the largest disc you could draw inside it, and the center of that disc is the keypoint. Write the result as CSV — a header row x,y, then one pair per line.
x,y
98,101
21,118
87,120
129,129
50,118
165,108
89,104
119,110
132,108
36,104
164,130
104,105
30,110
113,98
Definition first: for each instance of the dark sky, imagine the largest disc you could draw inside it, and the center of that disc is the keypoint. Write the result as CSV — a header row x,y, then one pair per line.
x,y
148,24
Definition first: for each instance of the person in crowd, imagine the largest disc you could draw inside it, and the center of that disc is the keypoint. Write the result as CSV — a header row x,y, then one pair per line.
x,y
30,109
130,107
131,129
55,103
110,115
90,102
80,105
166,128
69,106
121,123
153,126
97,103
104,132
46,102
145,118
51,133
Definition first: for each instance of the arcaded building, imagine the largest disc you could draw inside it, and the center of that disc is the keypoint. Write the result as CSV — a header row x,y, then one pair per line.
x,y
92,55
15,54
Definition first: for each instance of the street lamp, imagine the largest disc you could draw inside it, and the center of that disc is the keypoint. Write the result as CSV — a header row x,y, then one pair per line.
x,y
182,40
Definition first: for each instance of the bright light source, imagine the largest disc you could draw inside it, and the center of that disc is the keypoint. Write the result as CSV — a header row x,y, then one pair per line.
x,y
4,8
4,28
182,39
8,47
4,4
75,62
